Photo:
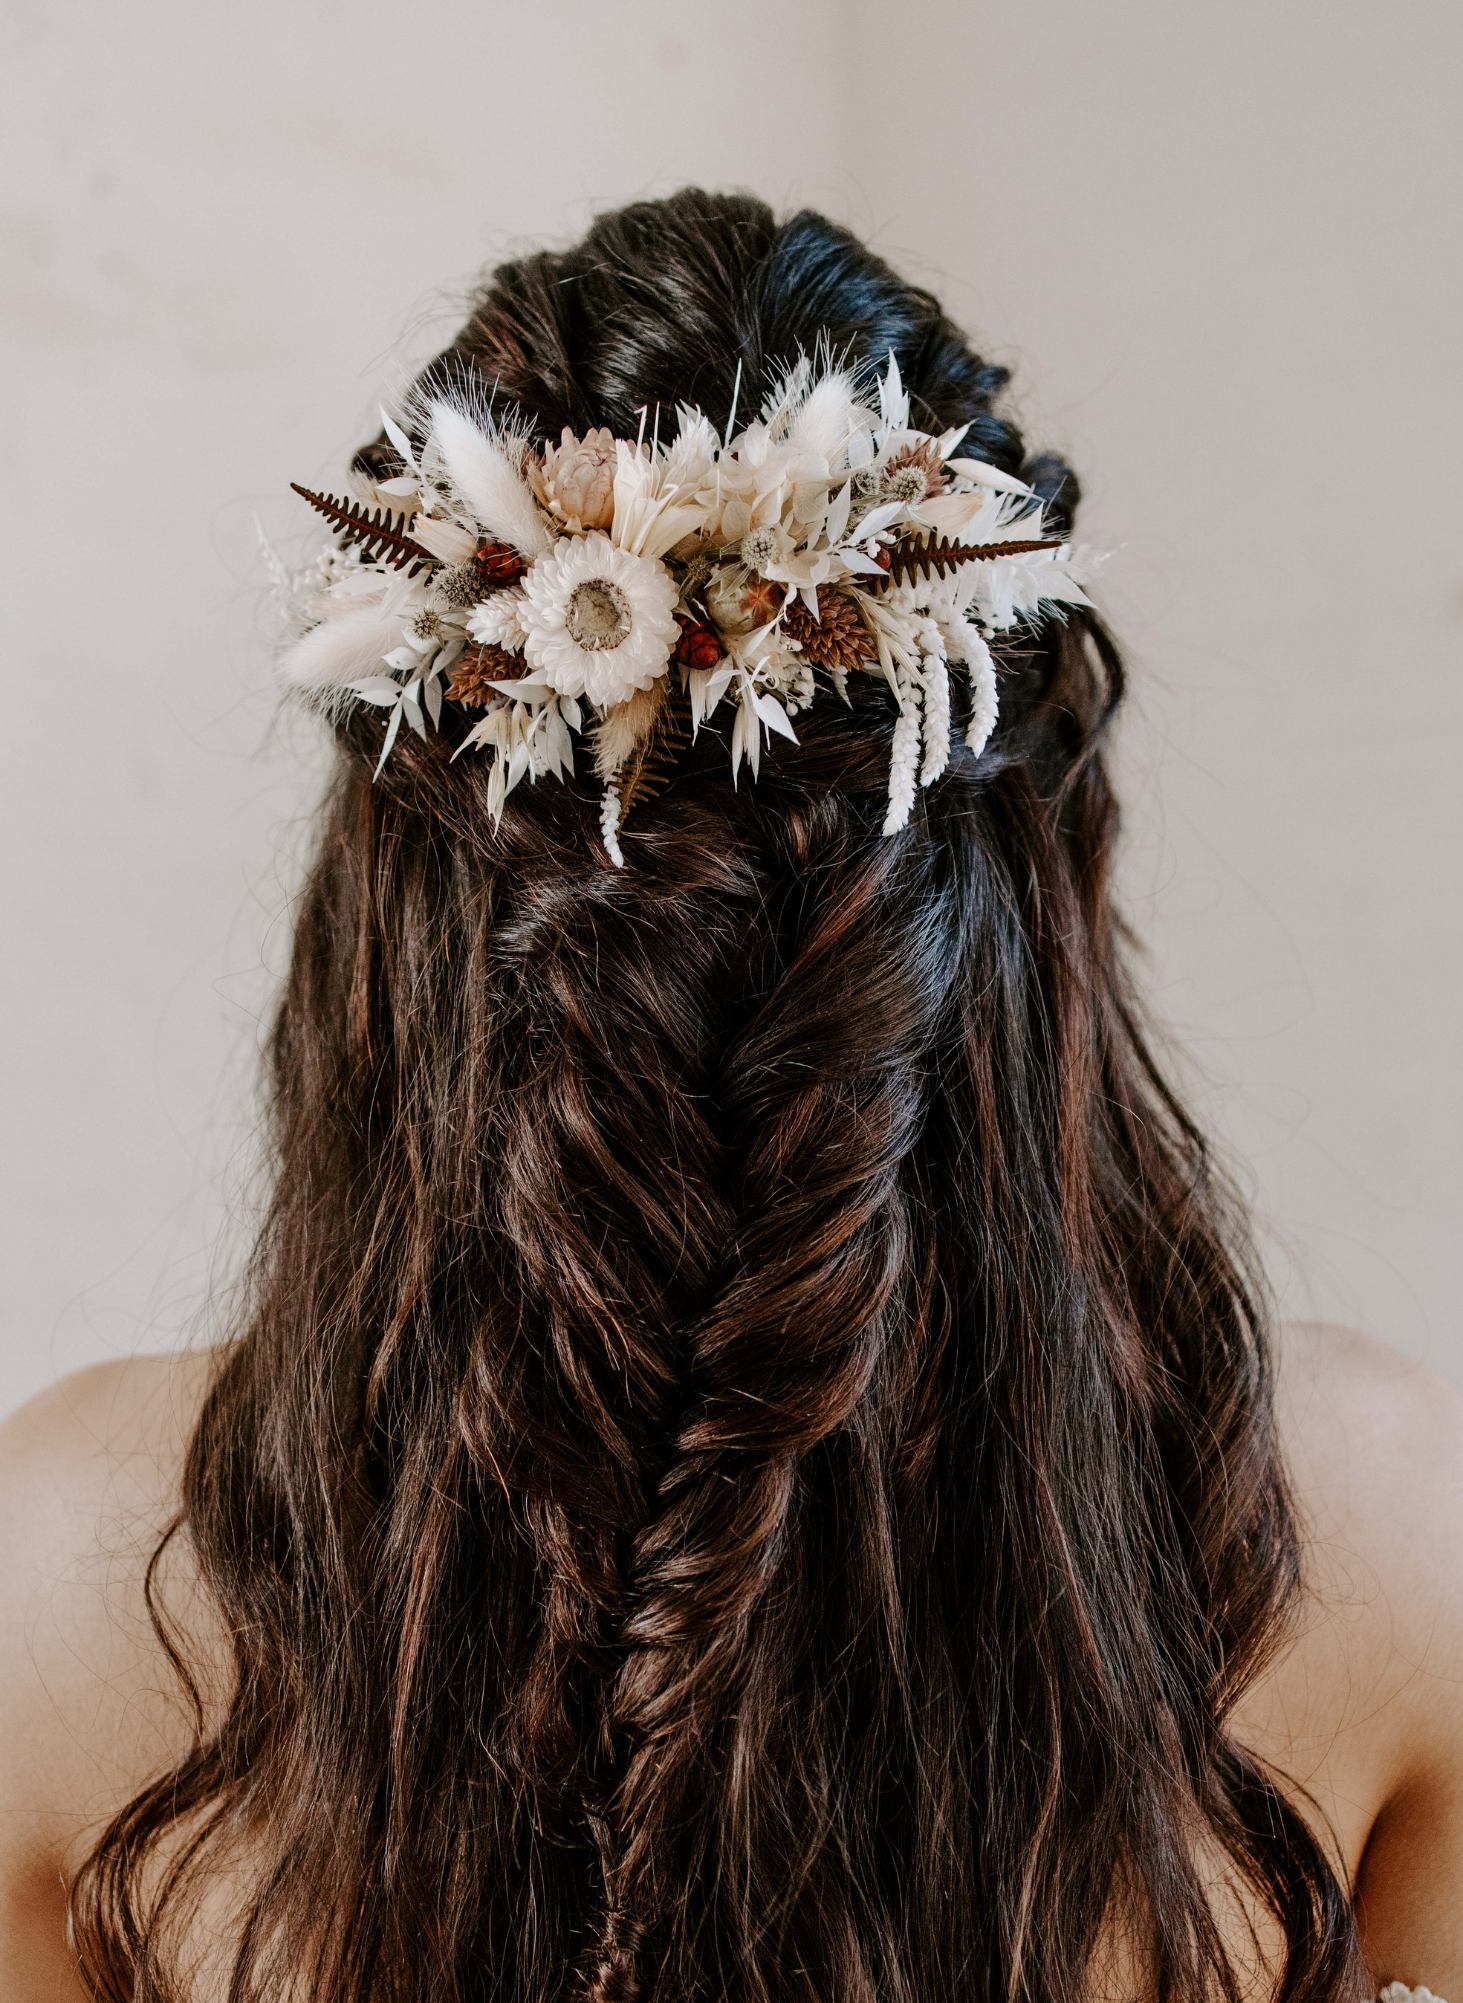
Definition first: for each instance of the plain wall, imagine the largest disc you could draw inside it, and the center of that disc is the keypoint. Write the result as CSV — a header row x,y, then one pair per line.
x,y
1218,246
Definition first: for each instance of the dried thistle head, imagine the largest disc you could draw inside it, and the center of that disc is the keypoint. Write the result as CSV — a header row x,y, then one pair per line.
x,y
913,473
462,586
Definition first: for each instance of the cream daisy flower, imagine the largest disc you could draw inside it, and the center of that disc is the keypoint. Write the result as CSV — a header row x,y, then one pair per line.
x,y
598,621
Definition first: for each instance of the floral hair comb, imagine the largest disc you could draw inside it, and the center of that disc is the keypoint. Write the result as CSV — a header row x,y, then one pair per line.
x,y
569,588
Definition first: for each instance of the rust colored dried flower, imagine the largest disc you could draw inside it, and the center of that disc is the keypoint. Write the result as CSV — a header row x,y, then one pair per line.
x,y
698,646
578,477
477,670
499,562
837,638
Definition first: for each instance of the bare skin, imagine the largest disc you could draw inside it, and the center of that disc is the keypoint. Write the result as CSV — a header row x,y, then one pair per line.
x,y
1363,1711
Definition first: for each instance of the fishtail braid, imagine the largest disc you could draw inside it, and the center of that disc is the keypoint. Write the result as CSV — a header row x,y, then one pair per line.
x,y
807,1302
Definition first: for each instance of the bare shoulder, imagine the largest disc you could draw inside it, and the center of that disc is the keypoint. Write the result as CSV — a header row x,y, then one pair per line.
x,y
1374,1444
1364,1711
89,1476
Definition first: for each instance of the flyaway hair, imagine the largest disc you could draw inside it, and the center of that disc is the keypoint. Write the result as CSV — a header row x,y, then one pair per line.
x,y
747,1474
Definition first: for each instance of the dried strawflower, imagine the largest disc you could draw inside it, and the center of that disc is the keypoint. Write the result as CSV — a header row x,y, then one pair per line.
x,y
599,621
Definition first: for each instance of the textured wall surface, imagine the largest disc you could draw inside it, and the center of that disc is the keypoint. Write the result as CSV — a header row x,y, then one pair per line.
x,y
1218,247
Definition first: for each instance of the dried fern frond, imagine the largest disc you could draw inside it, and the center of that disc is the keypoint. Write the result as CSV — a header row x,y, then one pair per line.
x,y
652,768
382,536
917,560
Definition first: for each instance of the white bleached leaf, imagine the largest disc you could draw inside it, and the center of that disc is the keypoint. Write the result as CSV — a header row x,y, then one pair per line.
x,y
882,517
708,686
774,716
1055,581
411,702
988,476
399,439
379,689
446,540
893,402
391,730
838,512
524,688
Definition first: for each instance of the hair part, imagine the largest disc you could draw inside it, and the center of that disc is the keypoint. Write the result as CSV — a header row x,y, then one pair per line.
x,y
749,1472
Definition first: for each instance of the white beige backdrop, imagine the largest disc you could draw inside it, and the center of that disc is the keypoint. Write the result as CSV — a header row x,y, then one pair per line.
x,y
1218,245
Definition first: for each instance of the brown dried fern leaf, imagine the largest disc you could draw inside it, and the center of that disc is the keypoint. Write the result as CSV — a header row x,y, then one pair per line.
x,y
654,765
914,560
382,536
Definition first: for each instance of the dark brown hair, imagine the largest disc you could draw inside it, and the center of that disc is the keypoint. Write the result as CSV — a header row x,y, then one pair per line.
x,y
749,1473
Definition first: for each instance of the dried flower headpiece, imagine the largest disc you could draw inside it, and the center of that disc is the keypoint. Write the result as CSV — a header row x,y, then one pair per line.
x,y
569,588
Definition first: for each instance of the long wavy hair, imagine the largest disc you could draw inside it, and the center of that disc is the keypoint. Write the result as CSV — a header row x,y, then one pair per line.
x,y
748,1473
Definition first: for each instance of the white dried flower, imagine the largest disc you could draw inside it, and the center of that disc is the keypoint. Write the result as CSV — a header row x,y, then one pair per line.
x,y
764,546
578,477
425,626
599,622
498,621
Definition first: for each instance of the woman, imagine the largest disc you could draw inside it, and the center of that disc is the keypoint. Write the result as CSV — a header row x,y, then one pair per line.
x,y
754,1467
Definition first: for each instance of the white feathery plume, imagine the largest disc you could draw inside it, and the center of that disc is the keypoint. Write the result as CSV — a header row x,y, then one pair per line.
x,y
486,477
827,418
340,650
622,731
936,719
985,701
903,752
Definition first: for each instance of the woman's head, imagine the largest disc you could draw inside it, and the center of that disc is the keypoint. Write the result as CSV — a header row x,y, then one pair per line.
x,y
749,1473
